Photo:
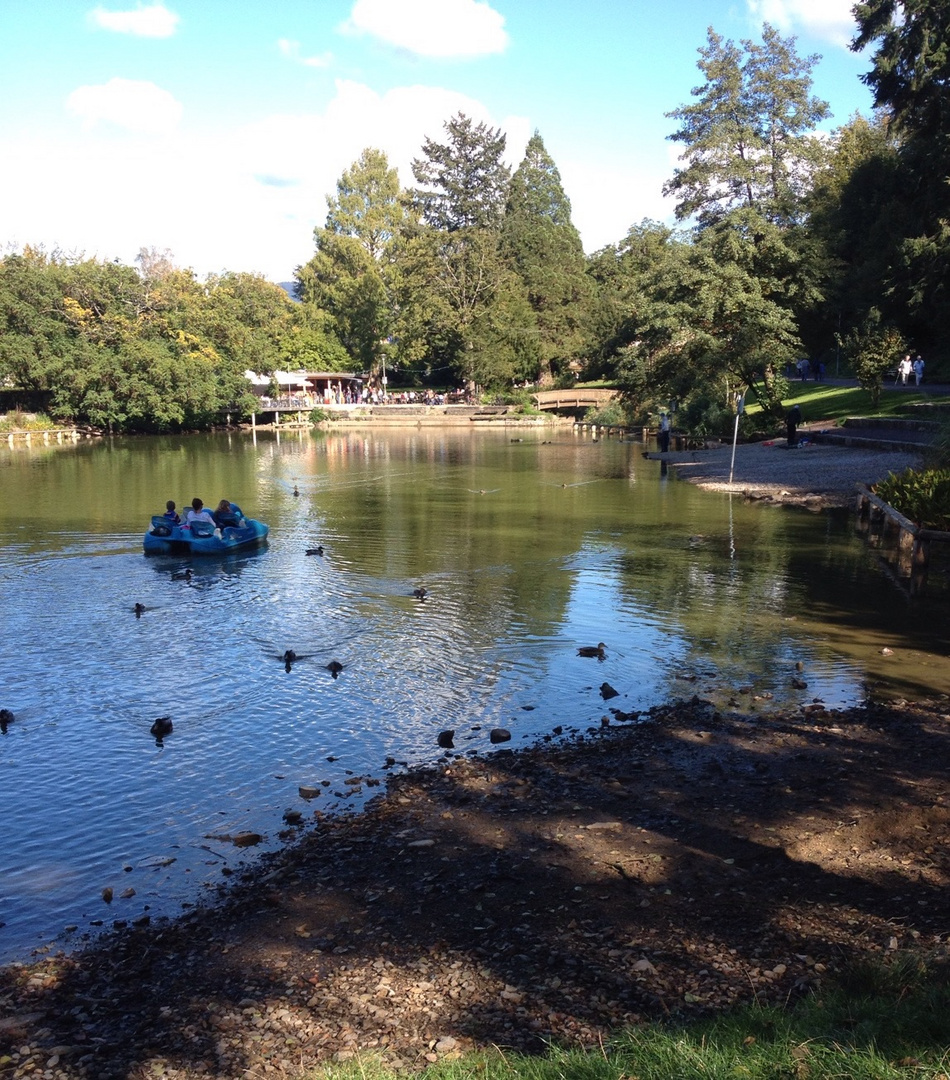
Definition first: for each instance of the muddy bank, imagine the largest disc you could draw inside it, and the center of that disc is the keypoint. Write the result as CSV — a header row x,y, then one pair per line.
x,y
669,863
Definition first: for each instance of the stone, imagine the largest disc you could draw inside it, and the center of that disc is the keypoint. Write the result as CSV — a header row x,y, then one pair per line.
x,y
499,735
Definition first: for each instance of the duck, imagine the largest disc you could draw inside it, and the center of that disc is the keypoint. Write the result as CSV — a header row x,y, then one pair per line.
x,y
161,727
288,658
185,575
318,550
592,650
138,609
6,718
296,492
334,667
420,593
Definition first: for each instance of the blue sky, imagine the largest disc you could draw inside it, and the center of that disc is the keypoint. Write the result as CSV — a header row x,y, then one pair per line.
x,y
216,128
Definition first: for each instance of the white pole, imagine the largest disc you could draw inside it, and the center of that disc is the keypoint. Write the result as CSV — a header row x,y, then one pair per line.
x,y
740,405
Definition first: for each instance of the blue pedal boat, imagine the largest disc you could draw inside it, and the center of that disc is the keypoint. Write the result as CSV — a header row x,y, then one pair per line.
x,y
202,537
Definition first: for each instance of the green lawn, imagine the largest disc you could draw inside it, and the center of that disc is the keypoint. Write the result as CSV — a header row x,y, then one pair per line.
x,y
822,401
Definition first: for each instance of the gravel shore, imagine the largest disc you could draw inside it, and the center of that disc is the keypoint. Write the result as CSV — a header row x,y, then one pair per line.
x,y
665,864
814,475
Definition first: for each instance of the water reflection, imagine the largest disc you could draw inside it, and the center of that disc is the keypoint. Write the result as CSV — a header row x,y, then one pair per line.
x,y
460,573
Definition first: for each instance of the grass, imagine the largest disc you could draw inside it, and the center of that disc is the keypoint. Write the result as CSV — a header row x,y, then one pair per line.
x,y
881,1021
824,402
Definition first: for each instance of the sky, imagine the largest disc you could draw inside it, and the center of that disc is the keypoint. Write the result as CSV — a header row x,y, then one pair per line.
x,y
216,129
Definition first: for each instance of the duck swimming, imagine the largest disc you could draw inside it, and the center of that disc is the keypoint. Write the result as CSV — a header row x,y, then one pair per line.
x,y
420,594
138,609
334,667
6,718
163,726
592,650
318,550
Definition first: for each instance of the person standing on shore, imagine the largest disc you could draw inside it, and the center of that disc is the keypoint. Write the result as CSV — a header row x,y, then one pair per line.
x,y
792,419
663,436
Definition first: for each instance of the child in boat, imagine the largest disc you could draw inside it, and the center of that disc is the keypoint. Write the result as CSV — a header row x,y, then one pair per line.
x,y
171,513
198,513
227,514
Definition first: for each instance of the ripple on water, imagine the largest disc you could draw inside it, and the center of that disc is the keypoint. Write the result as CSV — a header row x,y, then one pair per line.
x,y
516,580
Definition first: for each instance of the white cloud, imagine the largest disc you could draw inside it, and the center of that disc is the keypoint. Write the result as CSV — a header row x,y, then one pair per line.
x,y
129,104
291,49
272,176
442,29
830,20
154,21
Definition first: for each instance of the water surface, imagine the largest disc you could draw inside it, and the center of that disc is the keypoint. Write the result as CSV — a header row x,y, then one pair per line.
x,y
527,549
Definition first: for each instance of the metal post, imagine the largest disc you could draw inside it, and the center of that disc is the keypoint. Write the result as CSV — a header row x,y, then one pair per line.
x,y
740,405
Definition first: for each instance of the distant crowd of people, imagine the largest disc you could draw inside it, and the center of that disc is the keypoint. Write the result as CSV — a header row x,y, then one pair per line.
x,y
369,393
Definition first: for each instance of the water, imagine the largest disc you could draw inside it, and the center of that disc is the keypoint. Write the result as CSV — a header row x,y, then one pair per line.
x,y
527,550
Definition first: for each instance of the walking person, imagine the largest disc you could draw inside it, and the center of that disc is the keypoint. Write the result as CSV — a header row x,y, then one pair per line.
x,y
904,369
919,369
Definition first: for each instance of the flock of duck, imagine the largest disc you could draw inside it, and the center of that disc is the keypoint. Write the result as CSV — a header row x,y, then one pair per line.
x,y
163,725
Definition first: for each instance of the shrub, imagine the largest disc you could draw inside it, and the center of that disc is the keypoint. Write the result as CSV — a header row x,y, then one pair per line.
x,y
610,415
922,496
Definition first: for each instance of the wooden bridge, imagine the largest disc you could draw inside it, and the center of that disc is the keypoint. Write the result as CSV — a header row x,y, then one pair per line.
x,y
577,398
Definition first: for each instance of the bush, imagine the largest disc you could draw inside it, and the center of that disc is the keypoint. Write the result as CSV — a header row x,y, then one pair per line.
x,y
318,415
22,421
922,496
612,414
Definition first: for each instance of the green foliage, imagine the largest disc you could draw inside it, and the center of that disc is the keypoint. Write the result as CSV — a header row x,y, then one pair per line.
x,y
872,349
909,75
923,496
540,241
317,416
613,414
748,136
352,276
465,180
22,421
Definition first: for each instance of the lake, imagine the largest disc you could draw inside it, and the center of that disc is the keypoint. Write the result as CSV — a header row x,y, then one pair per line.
x,y
529,544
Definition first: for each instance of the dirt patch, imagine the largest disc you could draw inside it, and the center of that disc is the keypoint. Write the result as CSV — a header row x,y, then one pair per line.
x,y
669,863
814,475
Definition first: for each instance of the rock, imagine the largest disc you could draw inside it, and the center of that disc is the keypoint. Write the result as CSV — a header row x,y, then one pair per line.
x,y
446,739
607,691
246,839
306,792
107,894
293,817
499,735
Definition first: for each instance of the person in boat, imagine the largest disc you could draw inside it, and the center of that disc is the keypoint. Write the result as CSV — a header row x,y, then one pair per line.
x,y
171,513
198,513
227,515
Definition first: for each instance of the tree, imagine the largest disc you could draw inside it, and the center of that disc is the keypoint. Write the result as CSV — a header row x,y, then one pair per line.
x,y
748,135
351,274
465,180
476,319
712,323
858,219
539,239
910,77
873,347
